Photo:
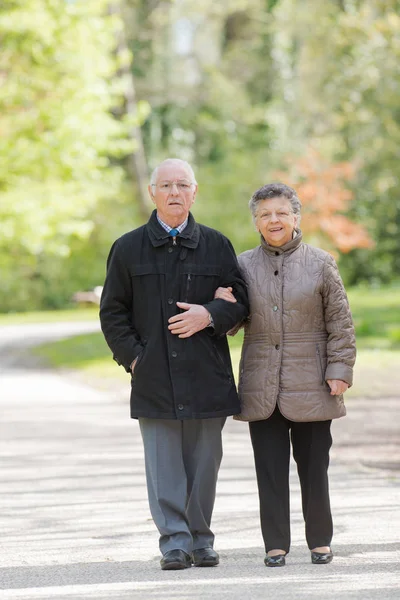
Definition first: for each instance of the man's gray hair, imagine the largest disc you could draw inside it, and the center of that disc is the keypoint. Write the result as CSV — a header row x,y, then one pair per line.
x,y
275,190
153,178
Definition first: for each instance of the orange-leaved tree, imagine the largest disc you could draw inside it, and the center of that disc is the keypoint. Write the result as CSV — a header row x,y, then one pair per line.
x,y
321,187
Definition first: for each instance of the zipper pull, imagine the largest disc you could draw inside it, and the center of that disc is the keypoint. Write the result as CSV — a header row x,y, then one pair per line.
x,y
188,280
174,240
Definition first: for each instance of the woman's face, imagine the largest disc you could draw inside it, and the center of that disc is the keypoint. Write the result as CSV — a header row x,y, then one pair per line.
x,y
275,220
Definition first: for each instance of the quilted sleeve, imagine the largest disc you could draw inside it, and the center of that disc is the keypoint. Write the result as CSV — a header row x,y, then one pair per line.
x,y
341,348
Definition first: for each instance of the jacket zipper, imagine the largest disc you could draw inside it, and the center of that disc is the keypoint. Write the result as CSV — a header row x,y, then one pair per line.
x,y
188,280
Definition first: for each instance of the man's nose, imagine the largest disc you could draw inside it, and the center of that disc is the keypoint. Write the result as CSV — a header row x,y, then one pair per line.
x,y
174,189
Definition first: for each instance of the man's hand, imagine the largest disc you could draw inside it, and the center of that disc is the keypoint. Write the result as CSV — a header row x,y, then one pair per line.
x,y
193,320
225,294
337,386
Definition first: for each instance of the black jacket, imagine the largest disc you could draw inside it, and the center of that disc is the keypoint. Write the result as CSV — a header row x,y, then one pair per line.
x,y
146,275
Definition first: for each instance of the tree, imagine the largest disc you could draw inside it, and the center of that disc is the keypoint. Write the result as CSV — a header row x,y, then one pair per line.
x,y
339,86
60,144
325,196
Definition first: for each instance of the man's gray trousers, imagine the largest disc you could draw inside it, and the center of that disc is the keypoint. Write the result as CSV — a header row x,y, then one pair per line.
x,y
182,461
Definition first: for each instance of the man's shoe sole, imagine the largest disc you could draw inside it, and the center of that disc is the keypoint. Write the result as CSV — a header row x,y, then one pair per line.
x,y
175,566
207,563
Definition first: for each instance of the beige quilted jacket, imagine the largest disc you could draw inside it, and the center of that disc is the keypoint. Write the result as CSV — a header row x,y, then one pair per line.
x,y
300,334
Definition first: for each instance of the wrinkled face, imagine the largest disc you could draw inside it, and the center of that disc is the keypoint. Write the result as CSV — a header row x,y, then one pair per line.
x,y
275,220
173,193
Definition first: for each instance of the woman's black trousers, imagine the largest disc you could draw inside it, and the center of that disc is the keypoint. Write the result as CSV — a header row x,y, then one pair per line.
x,y
311,443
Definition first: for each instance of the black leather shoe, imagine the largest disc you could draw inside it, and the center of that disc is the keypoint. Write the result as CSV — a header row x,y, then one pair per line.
x,y
321,558
205,557
275,561
174,560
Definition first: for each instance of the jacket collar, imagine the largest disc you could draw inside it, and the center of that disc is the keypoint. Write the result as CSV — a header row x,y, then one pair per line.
x,y
158,236
286,248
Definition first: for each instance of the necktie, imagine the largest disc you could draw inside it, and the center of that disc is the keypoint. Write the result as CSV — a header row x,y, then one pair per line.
x,y
173,232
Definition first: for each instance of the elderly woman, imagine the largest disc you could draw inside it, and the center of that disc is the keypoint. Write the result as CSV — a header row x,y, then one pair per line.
x,y
297,361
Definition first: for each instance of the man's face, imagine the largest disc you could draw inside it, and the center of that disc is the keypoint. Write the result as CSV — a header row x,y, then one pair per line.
x,y
173,193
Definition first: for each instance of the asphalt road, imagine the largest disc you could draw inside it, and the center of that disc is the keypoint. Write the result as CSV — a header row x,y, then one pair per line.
x,y
74,519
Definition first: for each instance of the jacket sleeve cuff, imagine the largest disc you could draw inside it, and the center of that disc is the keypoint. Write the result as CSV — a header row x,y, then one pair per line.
x,y
339,371
224,318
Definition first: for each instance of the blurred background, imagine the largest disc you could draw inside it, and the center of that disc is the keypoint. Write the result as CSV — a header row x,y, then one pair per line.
x,y
94,93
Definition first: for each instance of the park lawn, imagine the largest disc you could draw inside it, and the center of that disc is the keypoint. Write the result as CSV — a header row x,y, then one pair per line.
x,y
376,315
50,316
87,353
375,371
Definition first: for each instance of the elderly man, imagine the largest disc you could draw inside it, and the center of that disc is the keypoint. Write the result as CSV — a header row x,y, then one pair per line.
x,y
163,325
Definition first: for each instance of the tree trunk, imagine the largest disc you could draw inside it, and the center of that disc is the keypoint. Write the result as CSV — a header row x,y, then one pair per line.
x,y
137,160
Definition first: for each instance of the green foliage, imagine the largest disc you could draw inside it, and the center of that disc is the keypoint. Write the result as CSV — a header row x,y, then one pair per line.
x,y
58,137
234,87
342,86
209,108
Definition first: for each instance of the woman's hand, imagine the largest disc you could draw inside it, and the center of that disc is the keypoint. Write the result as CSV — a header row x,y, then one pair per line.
x,y
337,386
225,294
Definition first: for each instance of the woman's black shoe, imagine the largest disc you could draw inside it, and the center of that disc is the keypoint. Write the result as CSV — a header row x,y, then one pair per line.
x,y
275,561
321,558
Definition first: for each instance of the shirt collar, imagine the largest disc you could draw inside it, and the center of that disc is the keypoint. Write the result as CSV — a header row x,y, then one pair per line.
x,y
180,227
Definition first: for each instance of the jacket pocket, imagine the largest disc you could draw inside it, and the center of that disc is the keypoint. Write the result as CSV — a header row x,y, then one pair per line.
x,y
205,270
199,282
146,269
139,359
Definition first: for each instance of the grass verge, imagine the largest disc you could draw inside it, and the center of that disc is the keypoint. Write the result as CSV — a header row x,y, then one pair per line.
x,y
375,370
50,316
376,315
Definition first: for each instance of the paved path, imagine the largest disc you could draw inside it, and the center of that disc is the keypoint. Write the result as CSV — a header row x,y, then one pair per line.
x,y
74,519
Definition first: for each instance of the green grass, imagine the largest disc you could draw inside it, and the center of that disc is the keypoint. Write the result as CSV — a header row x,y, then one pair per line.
x,y
376,315
87,353
90,354
76,352
375,371
375,374
50,316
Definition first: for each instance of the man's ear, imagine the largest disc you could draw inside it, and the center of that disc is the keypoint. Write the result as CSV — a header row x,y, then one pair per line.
x,y
150,190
